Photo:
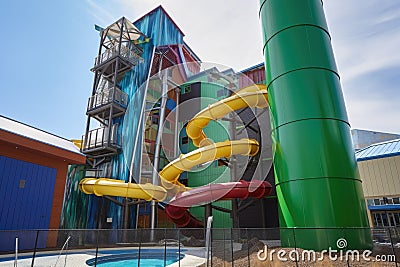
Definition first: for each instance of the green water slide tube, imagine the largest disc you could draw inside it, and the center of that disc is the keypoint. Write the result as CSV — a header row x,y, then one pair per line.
x,y
317,181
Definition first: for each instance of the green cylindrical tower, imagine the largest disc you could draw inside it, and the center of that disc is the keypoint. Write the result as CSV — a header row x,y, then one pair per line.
x,y
317,179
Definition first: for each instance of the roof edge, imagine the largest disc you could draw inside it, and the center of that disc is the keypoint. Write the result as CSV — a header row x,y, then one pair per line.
x,y
13,139
394,154
377,144
33,128
253,67
165,12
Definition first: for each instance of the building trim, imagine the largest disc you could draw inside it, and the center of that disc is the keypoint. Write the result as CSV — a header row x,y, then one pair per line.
x,y
41,148
260,65
384,207
394,154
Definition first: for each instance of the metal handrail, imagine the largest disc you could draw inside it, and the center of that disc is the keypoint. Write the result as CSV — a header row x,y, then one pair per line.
x,y
110,95
132,55
99,137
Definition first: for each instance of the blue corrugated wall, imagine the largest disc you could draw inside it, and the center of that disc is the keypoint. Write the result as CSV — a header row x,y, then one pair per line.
x,y
26,192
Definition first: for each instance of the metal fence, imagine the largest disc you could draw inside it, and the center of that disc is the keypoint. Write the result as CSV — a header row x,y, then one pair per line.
x,y
186,247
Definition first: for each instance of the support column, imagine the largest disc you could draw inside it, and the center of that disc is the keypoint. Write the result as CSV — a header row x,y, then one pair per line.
x,y
155,178
234,176
126,213
207,212
317,179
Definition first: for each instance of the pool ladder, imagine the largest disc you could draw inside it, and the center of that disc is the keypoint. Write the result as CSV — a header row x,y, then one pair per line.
x,y
65,246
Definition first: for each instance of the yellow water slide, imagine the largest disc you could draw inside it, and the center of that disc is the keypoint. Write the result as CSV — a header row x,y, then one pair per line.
x,y
251,96
118,188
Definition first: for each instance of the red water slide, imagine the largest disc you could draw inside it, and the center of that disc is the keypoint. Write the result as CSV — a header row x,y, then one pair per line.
x,y
177,209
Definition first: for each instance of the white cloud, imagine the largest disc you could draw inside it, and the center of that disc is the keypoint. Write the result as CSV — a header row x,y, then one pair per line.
x,y
227,33
99,12
365,39
360,42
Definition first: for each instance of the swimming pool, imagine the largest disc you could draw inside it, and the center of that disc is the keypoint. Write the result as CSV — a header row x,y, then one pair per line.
x,y
147,257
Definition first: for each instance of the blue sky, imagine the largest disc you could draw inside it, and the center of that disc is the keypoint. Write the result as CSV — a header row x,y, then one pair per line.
x,y
48,48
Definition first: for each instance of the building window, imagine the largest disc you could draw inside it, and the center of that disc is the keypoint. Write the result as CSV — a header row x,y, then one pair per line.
x,y
377,219
154,120
397,218
221,163
186,89
386,219
185,140
396,200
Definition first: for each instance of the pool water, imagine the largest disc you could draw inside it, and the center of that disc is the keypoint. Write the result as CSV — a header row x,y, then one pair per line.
x,y
148,257
135,262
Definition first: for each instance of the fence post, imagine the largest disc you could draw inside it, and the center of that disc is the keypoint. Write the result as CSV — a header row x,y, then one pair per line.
x,y
248,247
140,244
211,246
347,258
391,243
295,245
34,249
165,247
233,264
223,238
179,248
16,252
97,247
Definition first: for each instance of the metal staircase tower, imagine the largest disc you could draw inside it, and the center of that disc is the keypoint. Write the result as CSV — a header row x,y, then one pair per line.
x,y
118,53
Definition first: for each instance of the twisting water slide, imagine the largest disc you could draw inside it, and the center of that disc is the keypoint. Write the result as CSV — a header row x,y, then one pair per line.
x,y
252,96
184,197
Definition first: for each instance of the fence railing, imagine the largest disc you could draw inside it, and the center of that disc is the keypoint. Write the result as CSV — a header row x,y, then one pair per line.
x,y
100,138
187,247
108,96
132,54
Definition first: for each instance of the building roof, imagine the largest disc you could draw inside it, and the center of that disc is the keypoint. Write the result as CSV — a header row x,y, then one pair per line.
x,y
165,12
24,130
260,65
364,138
380,150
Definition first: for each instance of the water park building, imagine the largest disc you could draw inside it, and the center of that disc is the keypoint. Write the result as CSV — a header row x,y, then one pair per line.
x,y
379,170
127,69
145,71
171,141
